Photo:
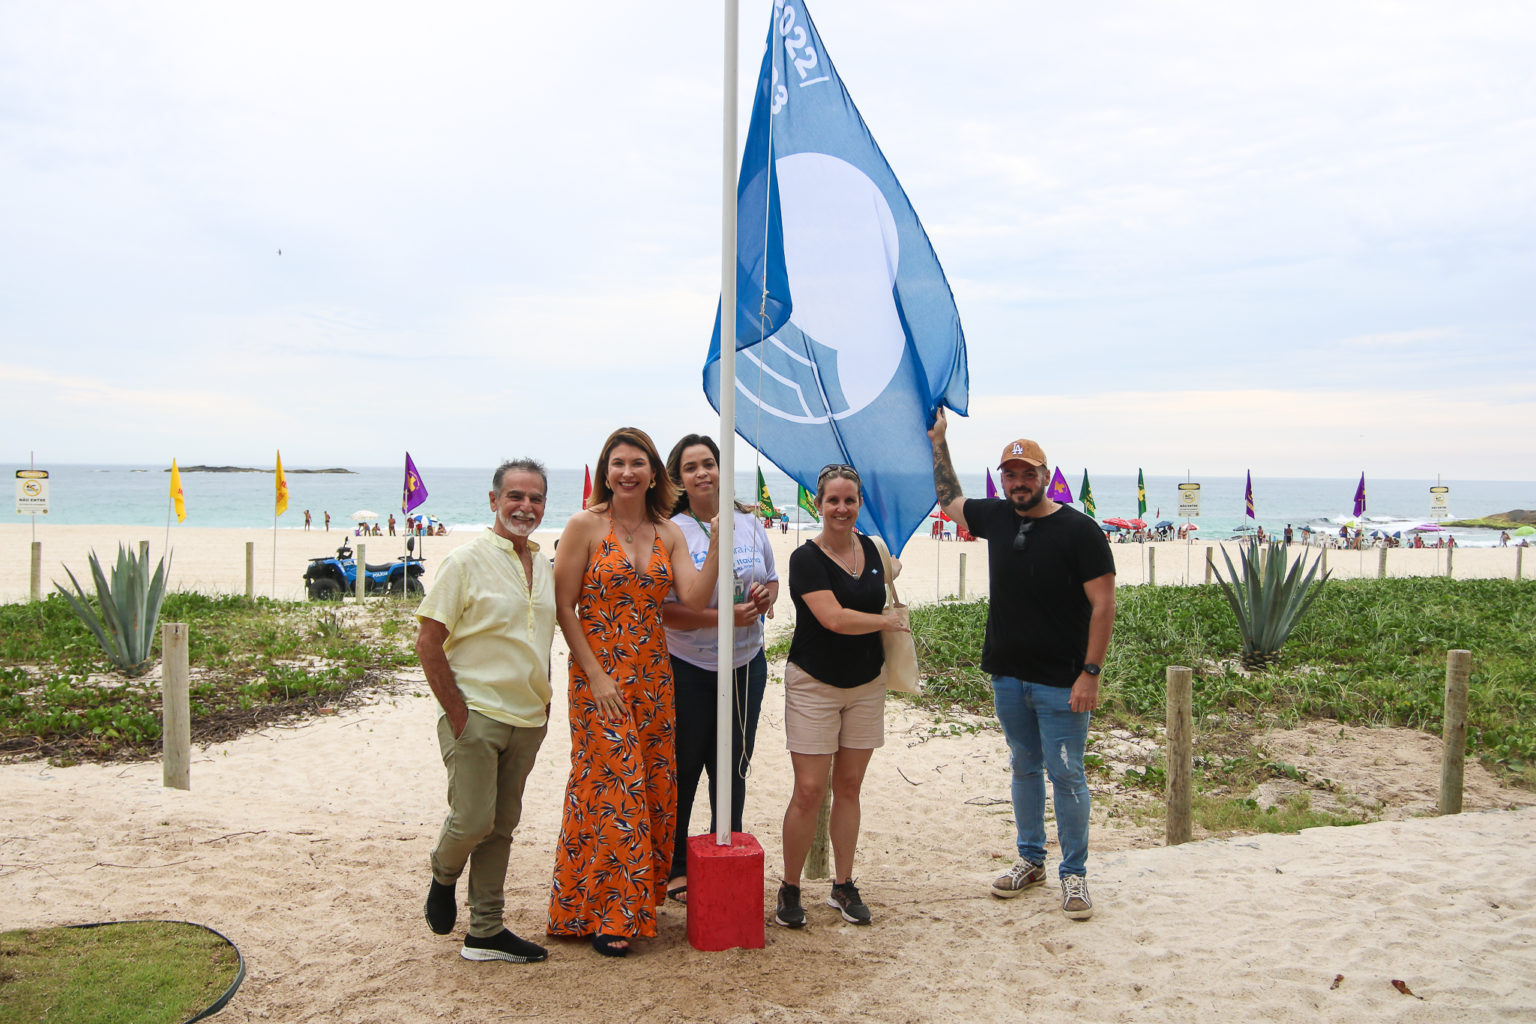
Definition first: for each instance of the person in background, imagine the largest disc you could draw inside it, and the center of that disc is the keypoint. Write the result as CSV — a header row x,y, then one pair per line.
x,y
623,555
484,642
693,644
1052,610
834,696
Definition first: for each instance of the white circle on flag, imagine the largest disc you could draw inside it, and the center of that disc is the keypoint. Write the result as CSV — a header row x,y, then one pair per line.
x,y
841,252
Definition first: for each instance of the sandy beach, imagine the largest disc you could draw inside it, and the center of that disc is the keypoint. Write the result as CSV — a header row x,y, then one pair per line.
x,y
212,560
307,846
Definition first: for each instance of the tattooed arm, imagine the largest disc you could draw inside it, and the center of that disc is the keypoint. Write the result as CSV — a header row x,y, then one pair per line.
x,y
945,482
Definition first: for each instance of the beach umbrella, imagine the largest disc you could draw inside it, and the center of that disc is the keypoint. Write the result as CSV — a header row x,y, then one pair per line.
x,y
1191,526
1244,528
1109,527
1118,523
1522,531
1139,524
1163,522
363,513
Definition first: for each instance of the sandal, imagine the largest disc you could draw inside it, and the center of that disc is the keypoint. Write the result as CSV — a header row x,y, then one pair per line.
x,y
608,945
679,893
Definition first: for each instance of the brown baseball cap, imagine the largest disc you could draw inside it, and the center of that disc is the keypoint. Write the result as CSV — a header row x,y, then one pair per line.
x,y
1022,450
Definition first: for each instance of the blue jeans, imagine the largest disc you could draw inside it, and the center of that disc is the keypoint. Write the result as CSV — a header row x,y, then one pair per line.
x,y
1037,719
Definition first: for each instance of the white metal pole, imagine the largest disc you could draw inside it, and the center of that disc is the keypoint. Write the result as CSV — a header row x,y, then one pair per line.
x,y
726,589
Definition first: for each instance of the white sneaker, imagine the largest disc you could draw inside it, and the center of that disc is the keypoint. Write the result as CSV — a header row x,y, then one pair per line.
x,y
1023,875
1074,898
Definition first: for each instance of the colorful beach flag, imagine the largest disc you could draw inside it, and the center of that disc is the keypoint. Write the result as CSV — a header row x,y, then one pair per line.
x,y
765,506
807,501
282,488
1141,493
178,499
1248,497
586,486
414,492
1059,490
1360,496
1086,495
991,487
847,332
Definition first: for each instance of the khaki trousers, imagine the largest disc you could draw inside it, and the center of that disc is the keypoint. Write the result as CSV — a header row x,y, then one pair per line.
x,y
488,767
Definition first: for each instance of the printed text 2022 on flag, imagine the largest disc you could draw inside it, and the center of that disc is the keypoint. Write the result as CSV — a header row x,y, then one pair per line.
x,y
847,333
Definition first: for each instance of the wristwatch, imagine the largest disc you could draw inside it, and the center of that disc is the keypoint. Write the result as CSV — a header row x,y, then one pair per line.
x,y
1092,669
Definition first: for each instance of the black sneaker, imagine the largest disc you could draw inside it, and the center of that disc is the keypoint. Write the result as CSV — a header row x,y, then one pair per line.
x,y
845,897
442,907
790,913
503,946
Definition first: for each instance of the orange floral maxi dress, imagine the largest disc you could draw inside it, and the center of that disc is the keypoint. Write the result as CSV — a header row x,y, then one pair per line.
x,y
618,822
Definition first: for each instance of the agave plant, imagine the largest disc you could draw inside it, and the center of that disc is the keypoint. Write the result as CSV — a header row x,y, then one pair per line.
x,y
129,608
1268,599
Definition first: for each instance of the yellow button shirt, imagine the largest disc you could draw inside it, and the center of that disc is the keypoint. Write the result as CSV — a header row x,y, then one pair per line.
x,y
499,632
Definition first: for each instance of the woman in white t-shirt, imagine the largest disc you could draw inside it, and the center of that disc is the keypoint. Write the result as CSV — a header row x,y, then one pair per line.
x,y
693,644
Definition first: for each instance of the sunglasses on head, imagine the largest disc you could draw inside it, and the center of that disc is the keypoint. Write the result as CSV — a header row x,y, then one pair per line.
x,y
835,467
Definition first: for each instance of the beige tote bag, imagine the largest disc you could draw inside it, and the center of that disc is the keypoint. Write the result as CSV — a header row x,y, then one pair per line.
x,y
900,671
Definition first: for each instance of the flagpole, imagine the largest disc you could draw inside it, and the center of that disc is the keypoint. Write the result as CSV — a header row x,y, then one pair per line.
x,y
725,587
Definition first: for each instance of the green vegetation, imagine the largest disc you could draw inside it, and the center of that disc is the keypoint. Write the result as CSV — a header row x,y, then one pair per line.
x,y
1267,599
145,972
1369,652
253,663
123,616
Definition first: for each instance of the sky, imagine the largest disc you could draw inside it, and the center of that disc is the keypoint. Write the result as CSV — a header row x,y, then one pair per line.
x,y
1182,236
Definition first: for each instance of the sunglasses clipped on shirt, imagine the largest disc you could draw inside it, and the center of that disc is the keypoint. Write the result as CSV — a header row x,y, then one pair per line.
x,y
1020,538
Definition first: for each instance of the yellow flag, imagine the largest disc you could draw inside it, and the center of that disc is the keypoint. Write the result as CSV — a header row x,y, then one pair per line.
x,y
282,488
177,498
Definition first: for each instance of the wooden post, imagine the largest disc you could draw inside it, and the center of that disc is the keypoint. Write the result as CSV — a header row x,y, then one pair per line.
x,y
1323,565
37,570
1151,566
362,570
1181,756
817,863
250,569
1519,558
143,551
175,711
962,575
1453,734
1381,568
1450,556
1210,563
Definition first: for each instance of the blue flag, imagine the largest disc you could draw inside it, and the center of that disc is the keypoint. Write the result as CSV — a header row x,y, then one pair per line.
x,y
848,338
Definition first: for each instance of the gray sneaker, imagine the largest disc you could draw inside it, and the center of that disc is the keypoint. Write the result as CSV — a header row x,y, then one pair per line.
x,y
790,913
1074,898
845,897
1023,875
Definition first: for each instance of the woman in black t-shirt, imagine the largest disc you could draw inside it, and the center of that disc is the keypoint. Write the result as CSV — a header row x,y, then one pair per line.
x,y
834,696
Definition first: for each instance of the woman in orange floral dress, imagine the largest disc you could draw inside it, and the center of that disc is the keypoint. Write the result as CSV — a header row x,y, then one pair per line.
x,y
617,560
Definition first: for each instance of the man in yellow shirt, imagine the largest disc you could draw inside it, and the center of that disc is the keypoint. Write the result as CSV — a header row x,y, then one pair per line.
x,y
486,628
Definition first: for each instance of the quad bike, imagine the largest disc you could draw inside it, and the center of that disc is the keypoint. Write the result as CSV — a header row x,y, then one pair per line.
x,y
332,577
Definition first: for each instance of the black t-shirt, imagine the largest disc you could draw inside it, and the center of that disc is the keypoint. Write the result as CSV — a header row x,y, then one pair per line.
x,y
837,659
1037,626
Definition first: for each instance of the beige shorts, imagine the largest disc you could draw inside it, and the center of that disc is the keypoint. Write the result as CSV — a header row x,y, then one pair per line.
x,y
819,719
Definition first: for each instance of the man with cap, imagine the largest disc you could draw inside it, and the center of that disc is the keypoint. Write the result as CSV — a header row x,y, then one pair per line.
x,y
1052,611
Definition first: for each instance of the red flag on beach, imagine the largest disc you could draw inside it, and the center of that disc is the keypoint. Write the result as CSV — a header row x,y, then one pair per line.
x,y
586,487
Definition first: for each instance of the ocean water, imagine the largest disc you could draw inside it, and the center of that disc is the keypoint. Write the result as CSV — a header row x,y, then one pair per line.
x,y
140,496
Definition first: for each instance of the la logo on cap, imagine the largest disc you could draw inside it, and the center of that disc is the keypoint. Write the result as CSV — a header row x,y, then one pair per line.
x,y
1018,449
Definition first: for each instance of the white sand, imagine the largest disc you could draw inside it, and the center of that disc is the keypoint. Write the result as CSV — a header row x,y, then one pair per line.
x,y
308,847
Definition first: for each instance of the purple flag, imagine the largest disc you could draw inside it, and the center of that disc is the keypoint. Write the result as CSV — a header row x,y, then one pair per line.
x,y
991,487
1059,490
1360,496
1249,496
415,491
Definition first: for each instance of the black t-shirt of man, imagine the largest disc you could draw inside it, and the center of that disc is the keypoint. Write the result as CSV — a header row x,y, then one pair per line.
x,y
1037,626
837,659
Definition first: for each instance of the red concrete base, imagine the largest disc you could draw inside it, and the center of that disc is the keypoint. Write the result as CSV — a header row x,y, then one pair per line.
x,y
725,893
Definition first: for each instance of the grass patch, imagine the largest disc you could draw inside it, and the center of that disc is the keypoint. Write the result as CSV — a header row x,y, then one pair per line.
x,y
1369,652
253,663
148,972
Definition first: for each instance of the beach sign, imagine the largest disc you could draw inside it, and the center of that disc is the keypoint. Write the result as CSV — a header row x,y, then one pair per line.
x,y
1189,500
1439,502
31,492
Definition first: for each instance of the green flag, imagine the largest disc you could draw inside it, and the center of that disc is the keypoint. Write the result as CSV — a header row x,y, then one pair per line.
x,y
764,502
1085,495
1141,494
807,502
